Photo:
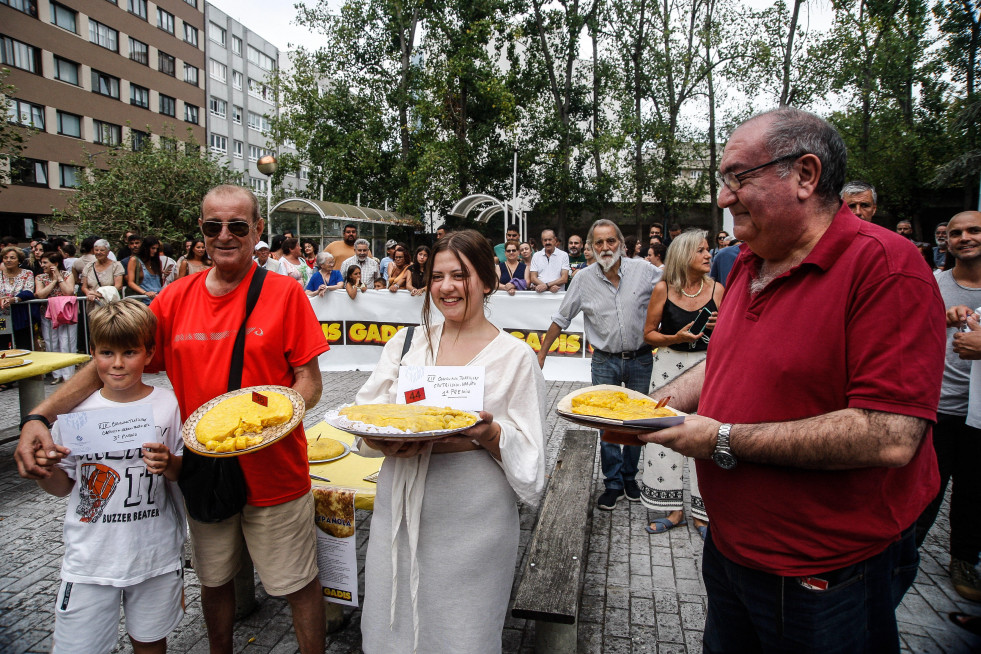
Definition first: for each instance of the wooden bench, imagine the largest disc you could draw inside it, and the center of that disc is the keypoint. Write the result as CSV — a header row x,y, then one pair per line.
x,y
551,581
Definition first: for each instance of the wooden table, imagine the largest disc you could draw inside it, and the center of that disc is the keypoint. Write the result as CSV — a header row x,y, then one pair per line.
x,y
31,377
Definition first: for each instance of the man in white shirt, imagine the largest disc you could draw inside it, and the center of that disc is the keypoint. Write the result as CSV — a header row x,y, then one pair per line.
x,y
263,259
362,258
549,266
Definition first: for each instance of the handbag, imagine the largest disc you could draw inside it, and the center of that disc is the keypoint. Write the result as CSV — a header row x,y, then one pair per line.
x,y
214,488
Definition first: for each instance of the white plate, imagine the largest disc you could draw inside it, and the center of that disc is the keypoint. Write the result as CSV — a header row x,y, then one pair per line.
x,y
358,428
26,362
564,410
347,450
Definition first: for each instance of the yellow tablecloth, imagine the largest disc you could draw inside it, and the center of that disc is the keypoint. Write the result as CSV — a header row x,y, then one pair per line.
x,y
348,472
41,363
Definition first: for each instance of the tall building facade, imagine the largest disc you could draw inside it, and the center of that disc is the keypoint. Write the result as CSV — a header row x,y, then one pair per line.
x,y
241,100
93,74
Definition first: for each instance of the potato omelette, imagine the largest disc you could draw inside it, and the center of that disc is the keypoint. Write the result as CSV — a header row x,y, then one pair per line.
x,y
324,448
409,417
617,405
224,427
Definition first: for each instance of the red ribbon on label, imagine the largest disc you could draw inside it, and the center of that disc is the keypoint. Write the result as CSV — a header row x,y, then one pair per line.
x,y
258,398
415,395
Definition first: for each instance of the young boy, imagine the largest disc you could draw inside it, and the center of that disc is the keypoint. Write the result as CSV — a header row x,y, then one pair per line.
x,y
125,527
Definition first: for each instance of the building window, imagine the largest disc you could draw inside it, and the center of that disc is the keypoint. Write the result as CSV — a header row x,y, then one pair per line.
x,y
27,114
258,185
218,107
191,74
261,59
69,124
256,153
66,71
165,20
71,176
191,113
103,35
219,144
237,79
193,3
107,133
236,115
216,33
139,139
304,172
168,144
138,7
258,122
168,105
191,34
29,172
238,149
139,51
105,84
166,64
64,17
219,71
29,7
20,55
260,90
139,96
237,45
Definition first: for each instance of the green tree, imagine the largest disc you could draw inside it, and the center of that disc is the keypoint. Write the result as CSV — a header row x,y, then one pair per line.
x,y
13,135
156,190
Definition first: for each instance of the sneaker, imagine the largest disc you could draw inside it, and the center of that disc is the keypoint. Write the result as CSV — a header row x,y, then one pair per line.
x,y
608,500
632,489
966,580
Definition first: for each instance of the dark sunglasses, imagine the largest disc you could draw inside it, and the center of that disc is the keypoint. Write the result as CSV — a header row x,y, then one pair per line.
x,y
212,228
511,250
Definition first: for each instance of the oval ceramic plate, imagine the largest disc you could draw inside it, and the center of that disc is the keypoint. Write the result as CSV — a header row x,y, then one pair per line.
x,y
564,410
358,428
269,435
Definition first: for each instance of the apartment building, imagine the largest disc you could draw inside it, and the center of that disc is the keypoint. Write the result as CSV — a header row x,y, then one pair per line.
x,y
89,74
241,100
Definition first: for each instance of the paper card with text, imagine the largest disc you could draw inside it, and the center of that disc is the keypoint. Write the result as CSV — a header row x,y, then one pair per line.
x,y
125,427
458,387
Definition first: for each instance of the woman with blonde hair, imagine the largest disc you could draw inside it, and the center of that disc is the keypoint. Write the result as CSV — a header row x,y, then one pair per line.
x,y
685,290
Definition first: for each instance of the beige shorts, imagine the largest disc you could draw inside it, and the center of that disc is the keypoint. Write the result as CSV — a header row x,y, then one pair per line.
x,y
282,542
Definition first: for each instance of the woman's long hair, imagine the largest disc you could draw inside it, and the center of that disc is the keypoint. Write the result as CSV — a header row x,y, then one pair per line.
x,y
152,263
678,258
206,260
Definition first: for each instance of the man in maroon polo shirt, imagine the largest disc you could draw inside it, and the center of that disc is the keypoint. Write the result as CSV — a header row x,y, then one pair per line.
x,y
815,405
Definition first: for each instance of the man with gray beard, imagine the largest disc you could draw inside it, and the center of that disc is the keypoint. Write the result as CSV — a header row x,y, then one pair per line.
x,y
612,294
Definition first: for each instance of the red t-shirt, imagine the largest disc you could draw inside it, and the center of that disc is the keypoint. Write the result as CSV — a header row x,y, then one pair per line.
x,y
859,324
195,335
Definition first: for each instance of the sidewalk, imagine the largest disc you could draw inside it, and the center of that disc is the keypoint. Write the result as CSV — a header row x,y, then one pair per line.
x,y
642,594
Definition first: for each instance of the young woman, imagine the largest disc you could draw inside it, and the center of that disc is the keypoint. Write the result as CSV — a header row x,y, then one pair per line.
x,y
398,270
463,551
196,260
676,300
55,282
525,253
309,253
103,271
144,272
512,273
416,283
352,283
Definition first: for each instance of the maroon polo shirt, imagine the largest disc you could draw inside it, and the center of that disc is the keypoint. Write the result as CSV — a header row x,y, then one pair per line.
x,y
858,324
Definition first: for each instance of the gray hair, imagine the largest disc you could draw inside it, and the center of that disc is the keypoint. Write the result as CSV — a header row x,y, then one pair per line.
x,y
603,222
101,243
858,186
793,131
362,241
324,257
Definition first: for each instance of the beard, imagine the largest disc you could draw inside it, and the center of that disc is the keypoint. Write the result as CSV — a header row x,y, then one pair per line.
x,y
608,259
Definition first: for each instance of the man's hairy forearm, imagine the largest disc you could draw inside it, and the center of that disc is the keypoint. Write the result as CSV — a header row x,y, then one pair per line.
x,y
82,384
684,389
845,439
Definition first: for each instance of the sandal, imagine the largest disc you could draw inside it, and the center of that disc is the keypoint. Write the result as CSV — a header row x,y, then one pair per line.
x,y
970,622
665,523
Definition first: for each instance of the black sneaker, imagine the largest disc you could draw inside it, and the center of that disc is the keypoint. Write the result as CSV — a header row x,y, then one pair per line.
x,y
632,489
608,500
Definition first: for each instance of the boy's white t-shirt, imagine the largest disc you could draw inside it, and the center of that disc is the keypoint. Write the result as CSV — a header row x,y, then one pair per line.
x,y
123,524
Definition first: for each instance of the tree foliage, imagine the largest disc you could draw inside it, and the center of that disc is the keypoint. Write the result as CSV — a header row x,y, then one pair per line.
x,y
12,136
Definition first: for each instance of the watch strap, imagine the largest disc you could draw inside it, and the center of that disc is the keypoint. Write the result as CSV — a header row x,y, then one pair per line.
x,y
35,416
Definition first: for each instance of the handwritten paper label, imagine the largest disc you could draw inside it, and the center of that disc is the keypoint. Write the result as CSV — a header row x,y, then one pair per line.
x,y
458,387
107,430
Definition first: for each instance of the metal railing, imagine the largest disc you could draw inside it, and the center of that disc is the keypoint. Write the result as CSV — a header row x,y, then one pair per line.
x,y
83,317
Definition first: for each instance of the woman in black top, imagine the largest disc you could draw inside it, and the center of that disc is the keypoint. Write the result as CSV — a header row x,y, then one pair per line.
x,y
685,289
512,274
417,271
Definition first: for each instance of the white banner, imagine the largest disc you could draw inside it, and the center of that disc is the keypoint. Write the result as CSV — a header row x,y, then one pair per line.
x,y
358,329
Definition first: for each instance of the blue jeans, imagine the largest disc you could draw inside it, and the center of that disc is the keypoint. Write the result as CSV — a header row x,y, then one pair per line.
x,y
753,611
635,374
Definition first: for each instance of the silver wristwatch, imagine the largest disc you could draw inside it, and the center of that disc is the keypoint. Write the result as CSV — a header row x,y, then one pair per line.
x,y
723,455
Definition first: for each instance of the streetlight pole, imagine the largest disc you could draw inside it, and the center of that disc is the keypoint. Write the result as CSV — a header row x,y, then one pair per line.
x,y
267,166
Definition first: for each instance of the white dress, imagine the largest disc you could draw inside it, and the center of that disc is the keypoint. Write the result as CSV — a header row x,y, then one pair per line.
x,y
443,584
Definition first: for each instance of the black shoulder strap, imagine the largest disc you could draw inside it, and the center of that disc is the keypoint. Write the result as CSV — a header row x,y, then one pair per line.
x,y
238,352
408,341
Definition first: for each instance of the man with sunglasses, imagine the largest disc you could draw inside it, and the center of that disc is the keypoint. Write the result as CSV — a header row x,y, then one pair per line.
x,y
197,323
815,405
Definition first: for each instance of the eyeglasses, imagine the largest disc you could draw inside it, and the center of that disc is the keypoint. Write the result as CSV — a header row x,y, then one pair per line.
x,y
212,228
734,180
511,250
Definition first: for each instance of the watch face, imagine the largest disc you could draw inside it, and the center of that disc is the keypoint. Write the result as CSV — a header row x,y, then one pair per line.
x,y
724,460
